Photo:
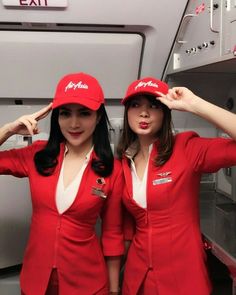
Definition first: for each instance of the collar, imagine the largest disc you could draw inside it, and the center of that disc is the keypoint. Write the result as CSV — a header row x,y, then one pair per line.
x,y
87,157
132,150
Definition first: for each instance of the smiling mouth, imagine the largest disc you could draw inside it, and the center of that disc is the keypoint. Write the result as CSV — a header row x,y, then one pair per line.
x,y
75,134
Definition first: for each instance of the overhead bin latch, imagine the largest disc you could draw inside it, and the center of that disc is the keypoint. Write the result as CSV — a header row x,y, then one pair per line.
x,y
213,6
185,20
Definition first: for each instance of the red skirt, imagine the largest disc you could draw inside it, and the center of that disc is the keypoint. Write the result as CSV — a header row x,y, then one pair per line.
x,y
53,285
149,285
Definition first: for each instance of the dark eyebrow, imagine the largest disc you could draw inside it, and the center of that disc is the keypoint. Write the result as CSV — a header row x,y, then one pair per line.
x,y
135,99
84,109
64,108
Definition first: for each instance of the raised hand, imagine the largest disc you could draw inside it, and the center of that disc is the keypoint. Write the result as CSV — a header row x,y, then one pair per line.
x,y
179,98
28,124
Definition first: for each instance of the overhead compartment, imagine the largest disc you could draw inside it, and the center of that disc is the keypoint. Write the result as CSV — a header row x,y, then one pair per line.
x,y
32,62
206,40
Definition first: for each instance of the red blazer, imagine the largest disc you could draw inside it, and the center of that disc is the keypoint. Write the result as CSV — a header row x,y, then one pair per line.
x,y
168,237
68,241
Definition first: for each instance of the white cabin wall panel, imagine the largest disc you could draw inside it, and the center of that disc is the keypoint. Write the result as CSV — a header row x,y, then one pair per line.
x,y
15,212
157,20
122,12
33,62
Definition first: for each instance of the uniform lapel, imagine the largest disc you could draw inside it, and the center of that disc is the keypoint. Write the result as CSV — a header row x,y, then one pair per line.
x,y
128,176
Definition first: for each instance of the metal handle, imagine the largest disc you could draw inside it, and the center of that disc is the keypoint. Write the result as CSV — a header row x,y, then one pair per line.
x,y
211,18
186,17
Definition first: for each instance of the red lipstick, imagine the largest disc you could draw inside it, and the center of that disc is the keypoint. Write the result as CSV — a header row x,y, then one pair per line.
x,y
143,125
75,134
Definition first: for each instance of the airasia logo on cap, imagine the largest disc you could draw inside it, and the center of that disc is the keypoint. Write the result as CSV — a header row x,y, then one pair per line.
x,y
74,86
145,84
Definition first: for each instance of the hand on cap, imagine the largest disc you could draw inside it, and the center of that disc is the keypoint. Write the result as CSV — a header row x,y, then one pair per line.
x,y
179,98
28,124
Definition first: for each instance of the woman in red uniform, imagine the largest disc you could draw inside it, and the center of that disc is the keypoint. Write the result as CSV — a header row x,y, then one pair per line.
x,y
162,175
73,180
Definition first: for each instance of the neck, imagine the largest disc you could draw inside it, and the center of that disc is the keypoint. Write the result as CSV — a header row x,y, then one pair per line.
x,y
145,141
79,151
144,148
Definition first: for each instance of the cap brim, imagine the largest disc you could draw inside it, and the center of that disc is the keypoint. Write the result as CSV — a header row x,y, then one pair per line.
x,y
124,100
90,104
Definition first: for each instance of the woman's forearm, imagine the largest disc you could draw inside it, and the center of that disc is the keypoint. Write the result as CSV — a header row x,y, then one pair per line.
x,y
218,116
5,133
183,99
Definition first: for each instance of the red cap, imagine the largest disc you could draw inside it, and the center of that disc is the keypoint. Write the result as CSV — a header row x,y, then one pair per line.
x,y
79,88
146,85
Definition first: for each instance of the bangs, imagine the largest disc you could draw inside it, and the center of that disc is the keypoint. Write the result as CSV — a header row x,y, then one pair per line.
x,y
151,98
154,101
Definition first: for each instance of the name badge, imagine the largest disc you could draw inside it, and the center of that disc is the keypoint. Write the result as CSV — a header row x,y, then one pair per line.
x,y
98,192
162,180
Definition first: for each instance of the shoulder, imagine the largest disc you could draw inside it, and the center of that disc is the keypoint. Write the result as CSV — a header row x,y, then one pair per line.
x,y
35,147
185,141
184,138
38,144
30,149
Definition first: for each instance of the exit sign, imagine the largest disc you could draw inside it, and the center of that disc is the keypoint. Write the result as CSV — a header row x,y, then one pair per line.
x,y
35,3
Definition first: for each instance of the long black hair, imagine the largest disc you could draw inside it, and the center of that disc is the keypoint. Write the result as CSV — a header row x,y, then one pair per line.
x,y
46,159
164,135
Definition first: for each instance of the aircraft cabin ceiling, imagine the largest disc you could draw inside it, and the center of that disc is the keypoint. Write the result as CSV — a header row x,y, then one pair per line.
x,y
116,41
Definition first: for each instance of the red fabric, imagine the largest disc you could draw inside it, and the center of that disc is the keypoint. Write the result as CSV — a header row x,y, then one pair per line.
x,y
53,284
68,241
168,238
128,225
149,285
79,88
147,85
